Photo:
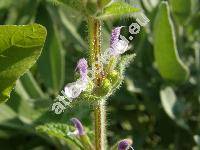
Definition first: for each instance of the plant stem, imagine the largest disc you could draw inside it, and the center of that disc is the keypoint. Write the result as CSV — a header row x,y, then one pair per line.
x,y
94,28
99,114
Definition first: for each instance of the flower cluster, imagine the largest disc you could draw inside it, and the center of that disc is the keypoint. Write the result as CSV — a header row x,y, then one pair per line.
x,y
117,47
73,90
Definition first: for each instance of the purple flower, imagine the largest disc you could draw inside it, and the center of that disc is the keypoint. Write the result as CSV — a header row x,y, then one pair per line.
x,y
82,66
124,144
79,127
73,90
117,46
115,35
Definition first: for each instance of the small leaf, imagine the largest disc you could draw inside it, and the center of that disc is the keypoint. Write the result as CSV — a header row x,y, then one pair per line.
x,y
181,9
167,59
197,139
20,47
117,9
172,106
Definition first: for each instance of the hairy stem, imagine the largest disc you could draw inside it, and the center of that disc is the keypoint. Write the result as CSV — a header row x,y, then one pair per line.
x,y
99,113
94,28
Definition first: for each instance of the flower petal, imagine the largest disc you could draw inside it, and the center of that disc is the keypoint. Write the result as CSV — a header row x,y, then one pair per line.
x,y
78,125
82,66
124,144
115,35
119,47
72,90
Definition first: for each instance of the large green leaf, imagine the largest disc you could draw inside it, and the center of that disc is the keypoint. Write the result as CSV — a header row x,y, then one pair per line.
x,y
181,9
20,47
51,63
167,59
117,9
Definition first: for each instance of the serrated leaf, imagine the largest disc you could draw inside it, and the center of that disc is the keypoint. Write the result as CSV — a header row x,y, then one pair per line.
x,y
117,9
59,131
167,59
181,9
20,47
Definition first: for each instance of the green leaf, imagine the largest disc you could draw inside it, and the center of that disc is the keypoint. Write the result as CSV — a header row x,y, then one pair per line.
x,y
181,9
172,106
197,139
20,47
103,3
167,59
51,64
23,105
10,120
70,27
117,9
59,131
31,86
78,5
5,3
125,62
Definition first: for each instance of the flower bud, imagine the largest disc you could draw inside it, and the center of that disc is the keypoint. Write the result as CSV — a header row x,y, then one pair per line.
x,y
104,88
113,77
115,36
82,66
79,127
125,144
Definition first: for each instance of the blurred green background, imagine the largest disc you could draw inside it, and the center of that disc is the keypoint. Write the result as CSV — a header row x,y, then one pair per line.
x,y
158,106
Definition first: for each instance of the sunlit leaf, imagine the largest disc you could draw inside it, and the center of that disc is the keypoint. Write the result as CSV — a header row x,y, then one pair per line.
x,y
167,59
117,9
20,47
